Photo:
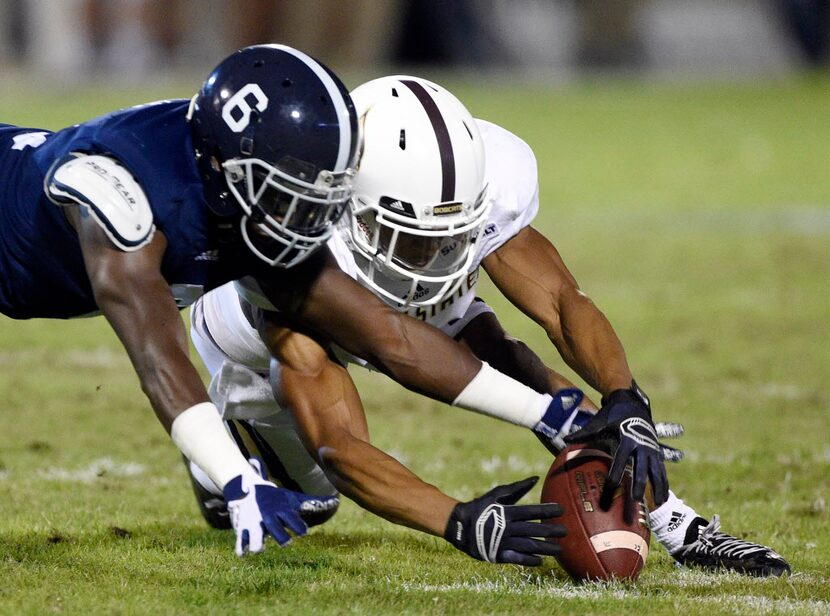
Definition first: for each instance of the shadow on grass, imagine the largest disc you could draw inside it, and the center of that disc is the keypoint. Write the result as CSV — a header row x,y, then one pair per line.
x,y
49,545
189,558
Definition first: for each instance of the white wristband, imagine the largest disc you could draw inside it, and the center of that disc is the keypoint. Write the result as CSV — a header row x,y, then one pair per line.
x,y
202,437
495,394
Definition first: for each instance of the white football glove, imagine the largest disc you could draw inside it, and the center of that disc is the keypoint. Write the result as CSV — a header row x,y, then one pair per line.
x,y
259,508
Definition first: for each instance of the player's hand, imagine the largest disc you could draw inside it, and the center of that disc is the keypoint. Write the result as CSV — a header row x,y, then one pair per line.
x,y
493,528
624,423
563,417
259,508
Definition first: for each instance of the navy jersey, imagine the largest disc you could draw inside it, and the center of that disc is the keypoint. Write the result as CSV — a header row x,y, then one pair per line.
x,y
41,266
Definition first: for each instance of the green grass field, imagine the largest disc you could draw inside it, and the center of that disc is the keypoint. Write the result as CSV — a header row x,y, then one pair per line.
x,y
696,215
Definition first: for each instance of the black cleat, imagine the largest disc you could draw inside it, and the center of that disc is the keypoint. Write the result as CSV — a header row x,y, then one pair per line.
x,y
214,508
707,547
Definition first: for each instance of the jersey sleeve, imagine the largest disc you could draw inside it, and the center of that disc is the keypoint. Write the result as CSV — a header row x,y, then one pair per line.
x,y
512,182
108,191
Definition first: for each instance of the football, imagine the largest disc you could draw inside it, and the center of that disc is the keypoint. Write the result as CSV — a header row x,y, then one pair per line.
x,y
608,536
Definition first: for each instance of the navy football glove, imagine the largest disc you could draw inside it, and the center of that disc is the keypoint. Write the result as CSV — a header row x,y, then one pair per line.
x,y
623,425
563,417
493,528
259,508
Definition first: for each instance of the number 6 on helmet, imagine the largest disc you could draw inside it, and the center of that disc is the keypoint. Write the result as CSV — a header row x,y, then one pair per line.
x,y
275,134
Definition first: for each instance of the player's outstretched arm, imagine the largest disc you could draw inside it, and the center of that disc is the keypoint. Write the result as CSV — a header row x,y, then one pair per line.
x,y
529,271
485,337
136,300
322,298
415,354
331,421
332,424
532,275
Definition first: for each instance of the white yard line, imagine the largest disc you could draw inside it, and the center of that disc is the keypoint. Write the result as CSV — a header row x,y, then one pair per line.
x,y
102,467
683,579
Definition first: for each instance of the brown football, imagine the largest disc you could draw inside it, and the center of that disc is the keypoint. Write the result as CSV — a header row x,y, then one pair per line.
x,y
602,543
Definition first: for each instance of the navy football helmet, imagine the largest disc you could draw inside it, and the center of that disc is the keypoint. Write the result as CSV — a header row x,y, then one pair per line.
x,y
275,133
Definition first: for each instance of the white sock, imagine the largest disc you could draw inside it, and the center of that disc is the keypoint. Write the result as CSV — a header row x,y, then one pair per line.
x,y
670,521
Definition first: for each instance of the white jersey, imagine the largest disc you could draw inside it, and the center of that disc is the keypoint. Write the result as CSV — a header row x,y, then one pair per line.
x,y
512,185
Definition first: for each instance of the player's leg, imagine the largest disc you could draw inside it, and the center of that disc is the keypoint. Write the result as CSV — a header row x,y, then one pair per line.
x,y
689,537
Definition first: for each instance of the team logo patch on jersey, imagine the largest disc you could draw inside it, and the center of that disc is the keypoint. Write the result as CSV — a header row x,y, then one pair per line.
x,y
29,140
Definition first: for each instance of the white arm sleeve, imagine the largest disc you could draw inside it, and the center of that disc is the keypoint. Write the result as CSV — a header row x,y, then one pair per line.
x,y
495,394
201,436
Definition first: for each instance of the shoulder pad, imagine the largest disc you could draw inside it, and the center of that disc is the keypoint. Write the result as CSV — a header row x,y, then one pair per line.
x,y
110,194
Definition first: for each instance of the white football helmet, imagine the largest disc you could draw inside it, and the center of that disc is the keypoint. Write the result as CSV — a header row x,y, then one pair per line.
x,y
419,197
